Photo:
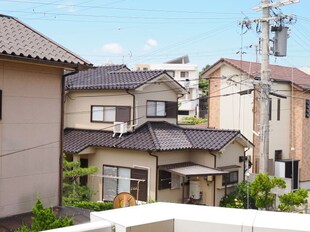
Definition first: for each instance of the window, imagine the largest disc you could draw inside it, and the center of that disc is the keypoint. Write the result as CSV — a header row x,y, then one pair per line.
x,y
183,112
168,180
110,113
270,108
277,155
123,182
184,74
83,164
165,109
164,180
307,114
279,109
230,178
156,109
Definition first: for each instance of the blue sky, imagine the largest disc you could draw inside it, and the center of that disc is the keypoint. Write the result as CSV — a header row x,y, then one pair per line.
x,y
145,31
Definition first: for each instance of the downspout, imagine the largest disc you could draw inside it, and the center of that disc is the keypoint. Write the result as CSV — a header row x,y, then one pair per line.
x,y
133,110
214,178
244,163
177,122
62,115
156,187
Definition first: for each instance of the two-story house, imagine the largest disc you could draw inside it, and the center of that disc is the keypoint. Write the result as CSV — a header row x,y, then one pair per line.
x,y
188,76
234,95
124,122
31,116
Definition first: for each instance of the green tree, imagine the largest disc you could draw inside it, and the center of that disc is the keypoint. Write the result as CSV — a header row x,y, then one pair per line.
x,y
240,198
44,219
191,120
290,201
204,86
72,190
261,187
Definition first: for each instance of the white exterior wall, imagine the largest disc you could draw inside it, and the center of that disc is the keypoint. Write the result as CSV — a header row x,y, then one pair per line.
x,y
236,112
31,118
280,134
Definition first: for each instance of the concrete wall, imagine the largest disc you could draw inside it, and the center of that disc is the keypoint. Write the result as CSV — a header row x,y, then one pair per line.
x,y
30,126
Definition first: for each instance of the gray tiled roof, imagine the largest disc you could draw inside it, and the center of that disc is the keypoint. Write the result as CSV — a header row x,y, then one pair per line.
x,y
110,77
19,40
151,136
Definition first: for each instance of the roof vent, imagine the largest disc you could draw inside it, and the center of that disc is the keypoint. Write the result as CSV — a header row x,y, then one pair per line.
x,y
119,127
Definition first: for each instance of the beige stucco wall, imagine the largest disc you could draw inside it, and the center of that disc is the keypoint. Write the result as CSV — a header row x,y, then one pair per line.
x,y
31,117
214,102
122,158
157,92
78,107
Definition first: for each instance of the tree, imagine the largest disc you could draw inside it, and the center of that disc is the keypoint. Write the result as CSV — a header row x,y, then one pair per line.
x,y
191,120
44,219
290,201
261,187
240,198
72,190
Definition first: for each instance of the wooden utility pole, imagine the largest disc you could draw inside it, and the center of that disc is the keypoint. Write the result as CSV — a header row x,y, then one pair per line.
x,y
265,89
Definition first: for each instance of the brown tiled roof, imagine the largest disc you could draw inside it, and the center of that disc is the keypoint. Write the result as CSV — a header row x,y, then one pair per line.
x,y
109,78
17,40
278,73
151,136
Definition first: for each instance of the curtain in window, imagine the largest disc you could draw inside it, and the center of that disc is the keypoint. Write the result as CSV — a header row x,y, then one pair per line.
x,y
123,184
109,184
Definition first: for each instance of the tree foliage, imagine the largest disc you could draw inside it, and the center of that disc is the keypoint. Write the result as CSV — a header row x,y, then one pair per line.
x,y
44,219
261,190
240,198
191,120
290,201
72,190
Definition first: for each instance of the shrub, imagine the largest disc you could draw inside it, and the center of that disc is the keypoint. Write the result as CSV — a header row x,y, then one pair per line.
x,y
94,206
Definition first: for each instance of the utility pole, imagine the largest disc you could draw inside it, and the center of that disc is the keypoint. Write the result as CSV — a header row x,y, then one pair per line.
x,y
266,5
265,89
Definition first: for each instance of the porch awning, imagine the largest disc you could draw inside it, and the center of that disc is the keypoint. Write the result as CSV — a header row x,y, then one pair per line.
x,y
191,169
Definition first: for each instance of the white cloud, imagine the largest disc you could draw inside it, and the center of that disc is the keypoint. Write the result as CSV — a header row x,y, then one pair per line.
x,y
113,48
150,43
69,7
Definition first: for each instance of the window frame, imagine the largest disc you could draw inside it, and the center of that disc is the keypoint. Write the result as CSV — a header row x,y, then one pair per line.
x,y
116,109
186,74
156,106
229,177
279,109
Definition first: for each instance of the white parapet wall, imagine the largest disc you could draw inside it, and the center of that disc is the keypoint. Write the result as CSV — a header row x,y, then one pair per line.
x,y
170,217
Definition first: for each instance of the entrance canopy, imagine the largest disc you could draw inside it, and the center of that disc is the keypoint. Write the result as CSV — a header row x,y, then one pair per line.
x,y
191,169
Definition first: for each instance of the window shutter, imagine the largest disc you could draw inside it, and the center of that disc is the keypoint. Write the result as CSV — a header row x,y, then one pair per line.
x,y
123,114
171,109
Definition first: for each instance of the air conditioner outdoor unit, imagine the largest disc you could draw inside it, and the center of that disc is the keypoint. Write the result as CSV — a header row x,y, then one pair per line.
x,y
119,127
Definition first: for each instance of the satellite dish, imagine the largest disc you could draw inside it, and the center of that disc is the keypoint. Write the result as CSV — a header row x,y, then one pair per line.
x,y
124,199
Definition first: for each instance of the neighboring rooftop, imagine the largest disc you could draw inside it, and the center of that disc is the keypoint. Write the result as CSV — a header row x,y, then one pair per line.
x,y
277,72
152,136
19,41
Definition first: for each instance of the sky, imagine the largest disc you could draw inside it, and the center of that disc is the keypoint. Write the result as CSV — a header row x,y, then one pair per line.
x,y
143,31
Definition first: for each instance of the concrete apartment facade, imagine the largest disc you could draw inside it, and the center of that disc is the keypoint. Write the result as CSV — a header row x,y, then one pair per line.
x,y
188,76
31,83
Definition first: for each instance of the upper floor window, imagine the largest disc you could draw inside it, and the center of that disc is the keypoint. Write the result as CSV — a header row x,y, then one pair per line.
x,y
279,110
270,109
184,74
110,113
307,108
161,109
156,109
